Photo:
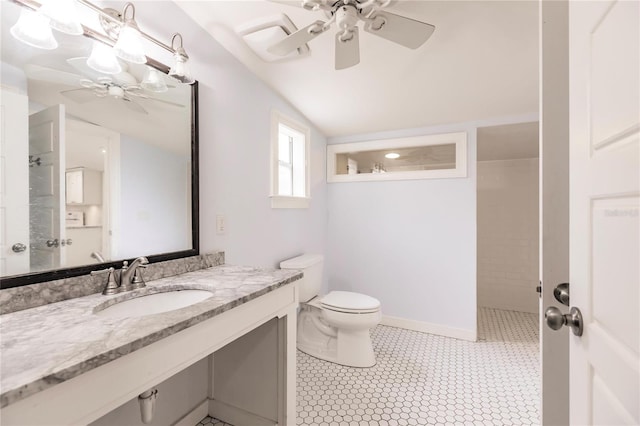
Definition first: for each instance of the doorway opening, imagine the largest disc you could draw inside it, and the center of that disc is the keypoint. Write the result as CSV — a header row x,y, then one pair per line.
x,y
508,217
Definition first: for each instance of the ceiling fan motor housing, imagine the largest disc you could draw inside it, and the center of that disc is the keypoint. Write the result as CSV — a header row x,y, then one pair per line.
x,y
346,16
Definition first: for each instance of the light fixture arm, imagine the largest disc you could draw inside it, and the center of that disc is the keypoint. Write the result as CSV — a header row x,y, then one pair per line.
x,y
179,50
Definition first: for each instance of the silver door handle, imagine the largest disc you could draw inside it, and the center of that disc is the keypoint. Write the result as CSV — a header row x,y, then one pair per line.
x,y
67,242
561,293
18,248
52,243
555,319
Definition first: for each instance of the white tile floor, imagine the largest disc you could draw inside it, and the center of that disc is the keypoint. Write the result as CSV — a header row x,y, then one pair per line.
x,y
424,379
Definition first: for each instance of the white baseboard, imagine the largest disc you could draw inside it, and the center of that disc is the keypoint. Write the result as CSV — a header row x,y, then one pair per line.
x,y
236,416
194,417
426,327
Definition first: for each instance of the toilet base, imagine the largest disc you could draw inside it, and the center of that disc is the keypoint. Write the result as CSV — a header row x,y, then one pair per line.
x,y
349,347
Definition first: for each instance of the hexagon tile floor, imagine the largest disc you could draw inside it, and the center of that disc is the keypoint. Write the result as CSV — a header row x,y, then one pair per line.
x,y
422,379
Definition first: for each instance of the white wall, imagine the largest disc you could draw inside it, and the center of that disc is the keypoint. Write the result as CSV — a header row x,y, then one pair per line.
x,y
508,234
152,222
410,244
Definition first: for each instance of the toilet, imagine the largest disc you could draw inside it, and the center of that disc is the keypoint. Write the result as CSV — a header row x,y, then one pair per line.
x,y
334,327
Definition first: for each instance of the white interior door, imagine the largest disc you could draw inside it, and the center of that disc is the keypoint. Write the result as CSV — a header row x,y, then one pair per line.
x,y
605,192
14,183
46,188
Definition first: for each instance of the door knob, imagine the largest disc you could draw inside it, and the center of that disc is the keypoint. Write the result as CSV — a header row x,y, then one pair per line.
x,y
561,293
52,243
555,319
67,242
18,248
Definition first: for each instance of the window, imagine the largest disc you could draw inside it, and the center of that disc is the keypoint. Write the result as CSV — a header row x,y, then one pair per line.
x,y
290,163
420,157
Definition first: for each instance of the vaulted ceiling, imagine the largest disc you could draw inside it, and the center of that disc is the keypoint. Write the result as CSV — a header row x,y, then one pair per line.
x,y
480,63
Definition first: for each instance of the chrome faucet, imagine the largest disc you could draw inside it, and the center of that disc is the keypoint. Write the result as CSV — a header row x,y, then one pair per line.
x,y
130,275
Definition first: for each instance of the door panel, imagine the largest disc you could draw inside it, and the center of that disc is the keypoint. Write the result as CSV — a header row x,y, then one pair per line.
x,y
46,182
14,182
605,191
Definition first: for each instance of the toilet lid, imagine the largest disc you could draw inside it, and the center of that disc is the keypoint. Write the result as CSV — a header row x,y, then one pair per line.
x,y
349,301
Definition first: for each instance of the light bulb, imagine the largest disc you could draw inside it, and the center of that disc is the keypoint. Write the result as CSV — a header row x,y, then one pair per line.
x,y
33,29
392,155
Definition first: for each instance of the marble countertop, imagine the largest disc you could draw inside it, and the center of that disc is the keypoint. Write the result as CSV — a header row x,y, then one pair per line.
x,y
47,345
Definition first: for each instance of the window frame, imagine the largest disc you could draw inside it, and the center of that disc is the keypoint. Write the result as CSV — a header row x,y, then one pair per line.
x,y
459,139
289,201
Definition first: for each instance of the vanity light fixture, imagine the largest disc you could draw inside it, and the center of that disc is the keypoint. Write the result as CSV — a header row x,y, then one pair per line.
x,y
392,155
122,33
33,29
153,81
180,70
103,59
129,44
63,16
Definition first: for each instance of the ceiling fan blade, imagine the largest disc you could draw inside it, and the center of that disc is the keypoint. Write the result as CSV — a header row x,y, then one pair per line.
x,y
296,40
347,52
134,106
400,29
79,95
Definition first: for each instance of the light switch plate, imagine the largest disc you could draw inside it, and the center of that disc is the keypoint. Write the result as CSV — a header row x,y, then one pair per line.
x,y
221,224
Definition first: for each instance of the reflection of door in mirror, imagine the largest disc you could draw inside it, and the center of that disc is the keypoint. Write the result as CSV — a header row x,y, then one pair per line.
x,y
46,188
14,183
88,200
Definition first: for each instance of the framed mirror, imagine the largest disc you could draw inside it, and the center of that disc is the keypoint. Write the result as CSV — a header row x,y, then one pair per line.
x,y
96,168
419,157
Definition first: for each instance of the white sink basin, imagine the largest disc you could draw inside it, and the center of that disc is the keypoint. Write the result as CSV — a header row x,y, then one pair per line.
x,y
154,303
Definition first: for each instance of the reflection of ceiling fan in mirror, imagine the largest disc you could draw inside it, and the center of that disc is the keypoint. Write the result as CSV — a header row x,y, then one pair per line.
x,y
123,86
346,14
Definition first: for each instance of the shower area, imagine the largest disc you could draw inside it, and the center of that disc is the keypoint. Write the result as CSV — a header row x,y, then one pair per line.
x,y
508,217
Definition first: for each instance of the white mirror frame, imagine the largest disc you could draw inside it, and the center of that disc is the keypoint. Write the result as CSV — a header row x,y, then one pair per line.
x,y
459,171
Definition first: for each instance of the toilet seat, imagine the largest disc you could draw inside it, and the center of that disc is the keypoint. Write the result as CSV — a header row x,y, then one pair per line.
x,y
350,302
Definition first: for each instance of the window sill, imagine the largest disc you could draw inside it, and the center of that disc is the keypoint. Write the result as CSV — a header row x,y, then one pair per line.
x,y
285,202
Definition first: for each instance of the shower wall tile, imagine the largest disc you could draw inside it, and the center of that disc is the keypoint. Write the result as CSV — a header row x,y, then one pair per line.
x,y
508,234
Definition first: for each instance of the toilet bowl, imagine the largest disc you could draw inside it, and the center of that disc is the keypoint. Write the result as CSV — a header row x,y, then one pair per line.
x,y
334,327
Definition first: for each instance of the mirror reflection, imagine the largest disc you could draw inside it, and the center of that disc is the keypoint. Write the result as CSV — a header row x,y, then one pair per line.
x,y
433,157
95,167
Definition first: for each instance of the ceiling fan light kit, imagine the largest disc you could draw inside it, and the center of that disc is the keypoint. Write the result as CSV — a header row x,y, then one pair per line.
x,y
347,14
123,36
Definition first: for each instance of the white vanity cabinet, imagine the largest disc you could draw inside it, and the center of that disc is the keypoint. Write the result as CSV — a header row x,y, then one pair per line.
x,y
250,348
83,186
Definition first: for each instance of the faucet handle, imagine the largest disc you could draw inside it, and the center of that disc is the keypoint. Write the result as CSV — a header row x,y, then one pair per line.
x,y
112,286
138,281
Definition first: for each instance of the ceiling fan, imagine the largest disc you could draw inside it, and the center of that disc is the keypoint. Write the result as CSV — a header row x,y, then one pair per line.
x,y
122,86
346,14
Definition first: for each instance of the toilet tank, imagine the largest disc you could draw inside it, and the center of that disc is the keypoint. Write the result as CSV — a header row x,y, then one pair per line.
x,y
311,265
